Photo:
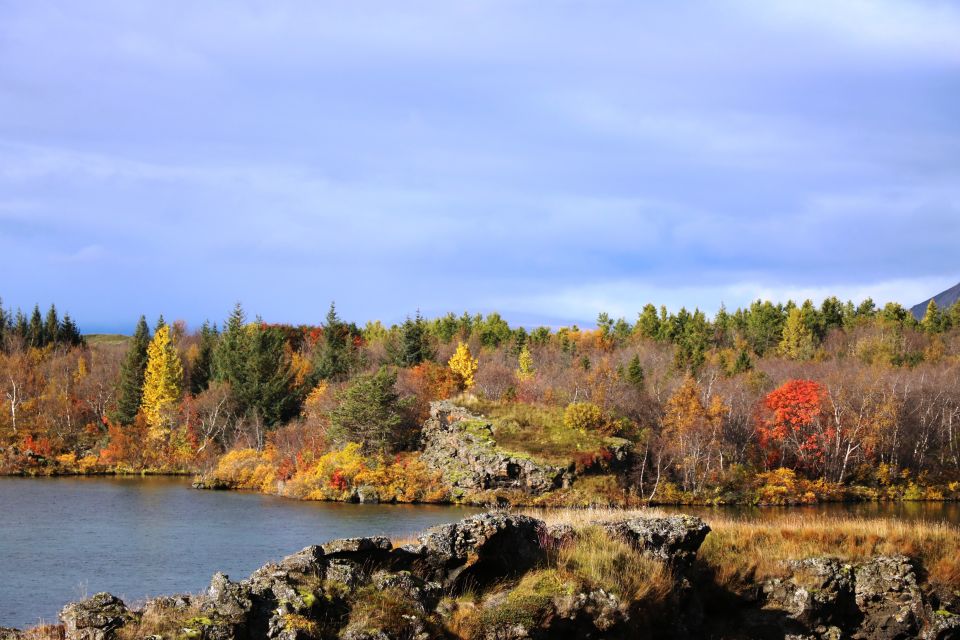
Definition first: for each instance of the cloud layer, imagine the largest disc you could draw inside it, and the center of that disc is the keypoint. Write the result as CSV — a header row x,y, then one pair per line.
x,y
545,160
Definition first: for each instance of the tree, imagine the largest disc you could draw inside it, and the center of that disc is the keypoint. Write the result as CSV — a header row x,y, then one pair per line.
x,y
797,340
648,323
201,369
37,336
634,374
691,431
414,343
254,360
932,321
369,411
333,359
464,364
130,386
51,326
162,382
791,432
763,328
525,368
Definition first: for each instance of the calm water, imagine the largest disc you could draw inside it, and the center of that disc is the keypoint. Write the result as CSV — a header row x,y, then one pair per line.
x,y
63,538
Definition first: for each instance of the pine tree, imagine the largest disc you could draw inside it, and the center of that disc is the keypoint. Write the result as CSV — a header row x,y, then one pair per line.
x,y
252,359
51,326
370,411
932,321
130,386
202,368
5,325
742,363
333,359
648,323
36,336
162,381
69,333
634,374
464,364
414,343
797,341
21,329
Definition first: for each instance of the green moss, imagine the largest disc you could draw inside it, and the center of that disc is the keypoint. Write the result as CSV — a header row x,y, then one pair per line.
x,y
528,603
309,597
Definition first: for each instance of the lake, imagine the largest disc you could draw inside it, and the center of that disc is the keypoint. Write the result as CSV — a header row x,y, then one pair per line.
x,y
64,538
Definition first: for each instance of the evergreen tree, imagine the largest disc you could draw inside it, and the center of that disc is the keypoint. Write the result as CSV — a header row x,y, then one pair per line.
x,y
130,386
20,327
648,323
763,326
5,325
932,321
413,346
634,374
334,358
69,333
743,362
36,335
162,381
201,370
51,326
252,358
370,411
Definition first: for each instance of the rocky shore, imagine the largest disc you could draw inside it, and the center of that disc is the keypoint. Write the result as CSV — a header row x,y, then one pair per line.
x,y
500,575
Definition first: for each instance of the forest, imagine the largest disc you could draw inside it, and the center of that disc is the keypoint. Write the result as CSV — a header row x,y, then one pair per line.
x,y
768,404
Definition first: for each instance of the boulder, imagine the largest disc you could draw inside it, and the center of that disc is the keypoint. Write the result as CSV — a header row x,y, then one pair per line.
x,y
479,550
817,597
462,446
889,598
673,539
95,618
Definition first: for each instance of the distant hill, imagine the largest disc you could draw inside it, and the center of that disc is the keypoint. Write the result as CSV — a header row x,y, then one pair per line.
x,y
943,299
105,338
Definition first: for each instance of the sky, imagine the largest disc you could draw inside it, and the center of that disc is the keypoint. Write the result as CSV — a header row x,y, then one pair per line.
x,y
547,160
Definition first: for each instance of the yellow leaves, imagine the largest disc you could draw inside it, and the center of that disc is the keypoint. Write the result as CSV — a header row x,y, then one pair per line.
x,y
582,417
464,364
301,367
247,469
162,382
525,368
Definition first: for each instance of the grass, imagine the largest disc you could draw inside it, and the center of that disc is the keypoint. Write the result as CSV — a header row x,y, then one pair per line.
x,y
535,431
105,338
741,551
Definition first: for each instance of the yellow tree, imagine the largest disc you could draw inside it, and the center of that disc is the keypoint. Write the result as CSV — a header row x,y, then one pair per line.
x,y
464,364
525,364
692,432
162,381
797,341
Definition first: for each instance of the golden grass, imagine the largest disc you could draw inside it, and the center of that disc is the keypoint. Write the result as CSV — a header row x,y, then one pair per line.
x,y
741,550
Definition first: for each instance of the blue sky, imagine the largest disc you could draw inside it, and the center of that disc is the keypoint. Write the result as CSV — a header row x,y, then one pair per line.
x,y
548,160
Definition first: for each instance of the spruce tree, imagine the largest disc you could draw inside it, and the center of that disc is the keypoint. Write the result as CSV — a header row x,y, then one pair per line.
x,y
370,411
130,386
20,327
69,333
51,326
333,358
635,374
36,335
202,369
414,343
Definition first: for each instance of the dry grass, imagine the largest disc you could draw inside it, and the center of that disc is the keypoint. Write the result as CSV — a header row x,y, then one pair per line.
x,y
742,550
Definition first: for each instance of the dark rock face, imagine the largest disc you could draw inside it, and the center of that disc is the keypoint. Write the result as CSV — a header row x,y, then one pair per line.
x,y
673,539
462,446
480,549
95,618
877,600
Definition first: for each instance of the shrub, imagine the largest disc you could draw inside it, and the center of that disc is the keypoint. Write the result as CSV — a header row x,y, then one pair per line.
x,y
583,417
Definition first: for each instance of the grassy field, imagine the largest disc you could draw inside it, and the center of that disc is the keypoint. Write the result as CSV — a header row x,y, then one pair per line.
x,y
742,551
105,338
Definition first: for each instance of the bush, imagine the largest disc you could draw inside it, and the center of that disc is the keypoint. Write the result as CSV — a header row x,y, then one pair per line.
x,y
583,417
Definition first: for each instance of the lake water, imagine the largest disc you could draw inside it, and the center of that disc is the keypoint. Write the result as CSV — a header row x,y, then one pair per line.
x,y
64,538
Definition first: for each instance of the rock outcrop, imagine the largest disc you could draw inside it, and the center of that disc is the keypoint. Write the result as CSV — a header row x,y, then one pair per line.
x,y
880,599
463,447
673,539
499,575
